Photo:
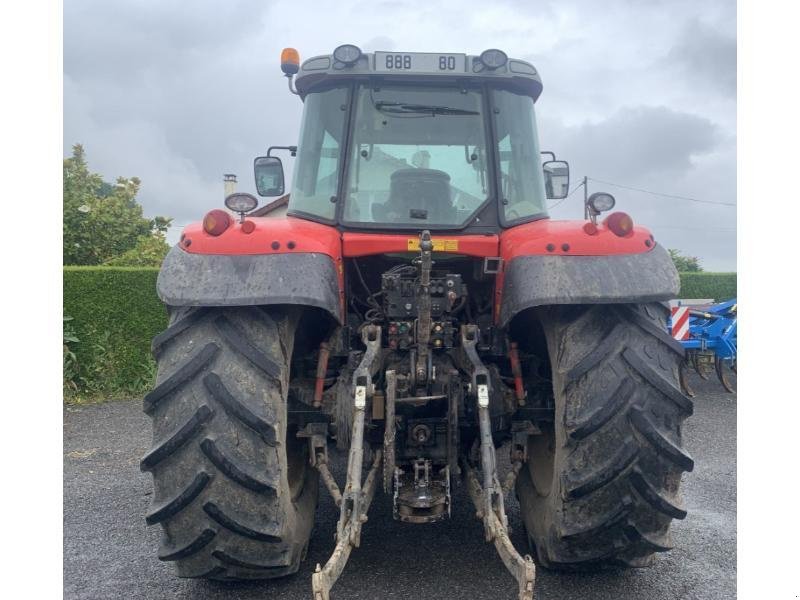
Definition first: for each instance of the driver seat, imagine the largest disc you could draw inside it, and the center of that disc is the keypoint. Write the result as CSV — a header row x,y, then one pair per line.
x,y
425,190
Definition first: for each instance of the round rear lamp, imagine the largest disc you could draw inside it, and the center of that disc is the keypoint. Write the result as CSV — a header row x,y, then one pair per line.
x,y
619,223
248,227
216,222
590,229
493,58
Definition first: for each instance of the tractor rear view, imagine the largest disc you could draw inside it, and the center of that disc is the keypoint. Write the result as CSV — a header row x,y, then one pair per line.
x,y
418,309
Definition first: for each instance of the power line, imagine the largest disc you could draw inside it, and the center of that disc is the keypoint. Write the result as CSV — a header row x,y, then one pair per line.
x,y
635,189
565,197
719,229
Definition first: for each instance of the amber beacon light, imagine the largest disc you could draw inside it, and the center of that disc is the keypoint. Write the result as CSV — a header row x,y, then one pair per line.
x,y
290,61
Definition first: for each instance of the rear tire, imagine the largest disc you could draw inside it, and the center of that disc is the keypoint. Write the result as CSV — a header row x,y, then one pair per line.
x,y
602,484
234,492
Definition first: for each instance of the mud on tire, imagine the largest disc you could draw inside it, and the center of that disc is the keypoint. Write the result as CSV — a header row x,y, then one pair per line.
x,y
233,490
602,486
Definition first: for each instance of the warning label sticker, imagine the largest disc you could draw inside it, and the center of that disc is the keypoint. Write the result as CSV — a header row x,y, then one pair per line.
x,y
439,245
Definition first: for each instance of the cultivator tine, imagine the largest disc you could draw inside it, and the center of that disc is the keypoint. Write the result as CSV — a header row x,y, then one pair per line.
x,y
720,367
698,365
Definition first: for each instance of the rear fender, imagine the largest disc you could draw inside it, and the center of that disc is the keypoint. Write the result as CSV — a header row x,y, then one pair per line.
x,y
283,261
557,263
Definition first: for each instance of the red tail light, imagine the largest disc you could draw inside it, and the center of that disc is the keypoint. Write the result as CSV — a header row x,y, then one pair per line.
x,y
216,222
619,223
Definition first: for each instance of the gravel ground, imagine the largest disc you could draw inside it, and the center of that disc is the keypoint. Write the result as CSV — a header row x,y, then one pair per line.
x,y
110,553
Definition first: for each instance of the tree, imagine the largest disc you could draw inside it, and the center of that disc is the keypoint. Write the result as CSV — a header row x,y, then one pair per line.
x,y
149,251
685,264
101,221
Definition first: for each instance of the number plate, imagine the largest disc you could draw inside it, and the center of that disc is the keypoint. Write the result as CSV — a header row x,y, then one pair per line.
x,y
420,62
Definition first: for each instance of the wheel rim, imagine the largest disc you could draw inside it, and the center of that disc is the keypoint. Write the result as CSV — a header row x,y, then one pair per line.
x,y
541,460
296,463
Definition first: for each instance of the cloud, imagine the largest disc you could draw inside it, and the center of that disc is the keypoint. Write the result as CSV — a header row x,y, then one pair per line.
x,y
637,142
706,57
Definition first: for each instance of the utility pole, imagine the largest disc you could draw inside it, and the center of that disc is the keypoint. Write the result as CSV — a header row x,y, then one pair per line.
x,y
585,199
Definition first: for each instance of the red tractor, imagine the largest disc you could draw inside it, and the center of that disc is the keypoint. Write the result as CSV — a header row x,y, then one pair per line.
x,y
416,307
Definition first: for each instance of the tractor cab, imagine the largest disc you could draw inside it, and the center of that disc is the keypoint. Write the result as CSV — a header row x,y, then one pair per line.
x,y
414,141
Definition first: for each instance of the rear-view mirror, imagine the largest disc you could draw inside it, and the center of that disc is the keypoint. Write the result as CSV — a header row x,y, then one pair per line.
x,y
269,176
556,178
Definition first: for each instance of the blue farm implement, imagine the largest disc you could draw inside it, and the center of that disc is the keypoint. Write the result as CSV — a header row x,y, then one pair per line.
x,y
708,334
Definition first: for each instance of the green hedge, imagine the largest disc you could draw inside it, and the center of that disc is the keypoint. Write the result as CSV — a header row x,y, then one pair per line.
x,y
115,313
719,286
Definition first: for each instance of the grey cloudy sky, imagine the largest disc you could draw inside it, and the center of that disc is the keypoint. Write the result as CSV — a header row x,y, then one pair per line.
x,y
636,92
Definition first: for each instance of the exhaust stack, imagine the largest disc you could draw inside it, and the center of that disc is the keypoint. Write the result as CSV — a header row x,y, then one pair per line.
x,y
229,180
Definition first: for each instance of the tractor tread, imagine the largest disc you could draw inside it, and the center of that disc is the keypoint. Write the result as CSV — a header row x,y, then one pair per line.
x,y
239,342
213,511
179,502
654,544
664,446
658,381
614,449
603,522
648,326
596,355
238,410
176,328
604,413
227,559
233,471
181,436
604,473
180,377
191,548
650,495
234,492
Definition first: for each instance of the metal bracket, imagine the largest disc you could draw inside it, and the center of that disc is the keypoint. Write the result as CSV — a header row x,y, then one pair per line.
x,y
356,499
523,569
390,431
492,265
317,434
488,499
470,334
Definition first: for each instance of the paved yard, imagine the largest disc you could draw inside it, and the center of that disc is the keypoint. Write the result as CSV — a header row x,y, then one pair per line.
x,y
109,553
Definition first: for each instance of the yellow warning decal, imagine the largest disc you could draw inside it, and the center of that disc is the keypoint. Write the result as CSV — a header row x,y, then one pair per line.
x,y
439,245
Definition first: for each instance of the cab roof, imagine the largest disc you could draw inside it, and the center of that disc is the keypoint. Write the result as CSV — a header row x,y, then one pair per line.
x,y
422,67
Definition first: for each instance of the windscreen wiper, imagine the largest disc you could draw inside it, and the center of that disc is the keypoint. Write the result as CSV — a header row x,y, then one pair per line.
x,y
403,108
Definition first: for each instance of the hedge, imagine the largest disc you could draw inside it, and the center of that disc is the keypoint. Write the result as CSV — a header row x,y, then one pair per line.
x,y
719,286
115,313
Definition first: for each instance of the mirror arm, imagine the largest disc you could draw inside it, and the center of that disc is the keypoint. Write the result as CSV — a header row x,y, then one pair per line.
x,y
552,154
291,149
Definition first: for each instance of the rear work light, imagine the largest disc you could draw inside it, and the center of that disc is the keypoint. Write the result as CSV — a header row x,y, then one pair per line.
x,y
619,223
216,222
